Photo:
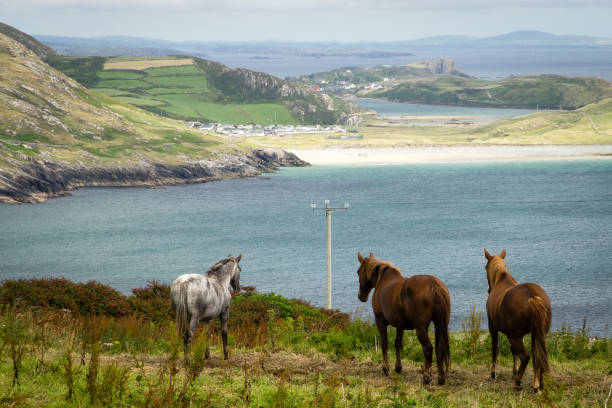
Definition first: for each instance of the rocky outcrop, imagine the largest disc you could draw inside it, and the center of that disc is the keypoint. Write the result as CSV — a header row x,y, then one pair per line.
x,y
36,181
442,66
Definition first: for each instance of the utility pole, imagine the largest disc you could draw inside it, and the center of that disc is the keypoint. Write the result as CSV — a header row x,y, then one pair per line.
x,y
328,214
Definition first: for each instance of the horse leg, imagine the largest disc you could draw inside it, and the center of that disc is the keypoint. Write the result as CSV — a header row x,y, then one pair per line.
x,y
537,379
518,348
381,324
224,319
494,350
193,325
423,337
515,363
205,333
399,336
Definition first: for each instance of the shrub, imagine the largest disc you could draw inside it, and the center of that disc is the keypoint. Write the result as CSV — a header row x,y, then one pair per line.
x,y
152,302
59,293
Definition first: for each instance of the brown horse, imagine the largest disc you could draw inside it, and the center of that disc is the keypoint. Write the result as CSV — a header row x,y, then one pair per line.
x,y
406,304
516,310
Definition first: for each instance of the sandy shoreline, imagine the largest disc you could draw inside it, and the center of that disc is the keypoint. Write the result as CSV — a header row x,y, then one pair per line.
x,y
452,154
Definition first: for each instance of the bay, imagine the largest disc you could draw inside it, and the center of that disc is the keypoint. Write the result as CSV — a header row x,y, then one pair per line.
x,y
553,218
387,108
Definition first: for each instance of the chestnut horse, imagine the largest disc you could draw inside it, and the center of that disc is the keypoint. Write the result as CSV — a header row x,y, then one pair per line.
x,y
516,310
407,303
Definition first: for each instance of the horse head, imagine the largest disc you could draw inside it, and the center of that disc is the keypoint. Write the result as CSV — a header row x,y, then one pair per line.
x,y
495,267
235,280
368,275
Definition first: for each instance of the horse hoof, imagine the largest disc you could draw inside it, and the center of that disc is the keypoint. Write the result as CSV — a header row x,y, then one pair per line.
x,y
492,378
441,381
426,381
386,371
398,369
536,390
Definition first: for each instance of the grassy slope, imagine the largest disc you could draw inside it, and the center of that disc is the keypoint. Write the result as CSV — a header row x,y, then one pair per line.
x,y
589,125
283,353
183,91
545,91
56,118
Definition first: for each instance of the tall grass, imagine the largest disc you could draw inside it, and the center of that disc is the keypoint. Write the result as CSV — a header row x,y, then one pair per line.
x,y
138,360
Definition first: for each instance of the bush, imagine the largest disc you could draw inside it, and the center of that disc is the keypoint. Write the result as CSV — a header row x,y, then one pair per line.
x,y
59,293
152,302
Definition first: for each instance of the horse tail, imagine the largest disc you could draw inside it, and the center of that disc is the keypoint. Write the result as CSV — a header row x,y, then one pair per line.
x,y
540,322
179,303
441,317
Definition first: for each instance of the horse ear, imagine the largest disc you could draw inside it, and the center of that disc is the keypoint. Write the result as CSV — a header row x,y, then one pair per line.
x,y
487,254
503,254
359,257
238,258
371,255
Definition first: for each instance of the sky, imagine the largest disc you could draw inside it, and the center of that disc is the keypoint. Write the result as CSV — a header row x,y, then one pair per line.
x,y
305,20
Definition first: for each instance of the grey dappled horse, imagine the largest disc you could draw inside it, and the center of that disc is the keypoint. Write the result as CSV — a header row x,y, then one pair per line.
x,y
198,298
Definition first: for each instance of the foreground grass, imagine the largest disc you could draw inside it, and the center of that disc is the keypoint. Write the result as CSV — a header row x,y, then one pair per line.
x,y
283,353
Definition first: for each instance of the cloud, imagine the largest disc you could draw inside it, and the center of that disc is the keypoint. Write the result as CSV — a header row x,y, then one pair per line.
x,y
283,5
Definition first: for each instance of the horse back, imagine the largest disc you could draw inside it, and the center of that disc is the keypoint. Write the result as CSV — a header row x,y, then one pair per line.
x,y
514,310
409,302
200,297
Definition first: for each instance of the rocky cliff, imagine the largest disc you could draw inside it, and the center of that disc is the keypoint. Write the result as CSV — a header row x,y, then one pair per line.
x,y
441,66
38,180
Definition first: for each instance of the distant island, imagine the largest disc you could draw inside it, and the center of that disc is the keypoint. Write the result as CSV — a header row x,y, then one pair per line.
x,y
441,82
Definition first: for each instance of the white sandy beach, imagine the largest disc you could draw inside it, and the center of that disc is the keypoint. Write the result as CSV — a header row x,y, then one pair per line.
x,y
452,154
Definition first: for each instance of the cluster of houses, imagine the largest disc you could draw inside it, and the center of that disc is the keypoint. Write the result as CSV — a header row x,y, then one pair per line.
x,y
340,86
261,130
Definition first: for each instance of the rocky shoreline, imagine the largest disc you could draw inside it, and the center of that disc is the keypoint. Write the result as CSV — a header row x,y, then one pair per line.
x,y
38,181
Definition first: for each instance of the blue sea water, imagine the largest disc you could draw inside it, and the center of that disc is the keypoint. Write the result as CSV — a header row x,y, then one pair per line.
x,y
488,63
386,108
553,218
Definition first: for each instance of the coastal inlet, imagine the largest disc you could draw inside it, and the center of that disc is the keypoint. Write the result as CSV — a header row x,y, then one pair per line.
x,y
553,218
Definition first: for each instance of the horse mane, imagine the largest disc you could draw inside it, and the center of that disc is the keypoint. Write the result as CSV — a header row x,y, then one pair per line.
x,y
216,268
376,266
498,270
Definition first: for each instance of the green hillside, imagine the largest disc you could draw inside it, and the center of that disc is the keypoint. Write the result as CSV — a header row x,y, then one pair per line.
x,y
206,91
543,91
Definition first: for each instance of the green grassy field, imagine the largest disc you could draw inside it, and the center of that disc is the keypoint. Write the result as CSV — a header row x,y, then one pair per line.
x,y
283,353
182,92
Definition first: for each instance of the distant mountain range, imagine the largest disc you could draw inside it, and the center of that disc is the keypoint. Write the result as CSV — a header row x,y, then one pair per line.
x,y
516,38
137,46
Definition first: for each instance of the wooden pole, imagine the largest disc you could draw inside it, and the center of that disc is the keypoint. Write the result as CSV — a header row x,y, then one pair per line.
x,y
329,276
